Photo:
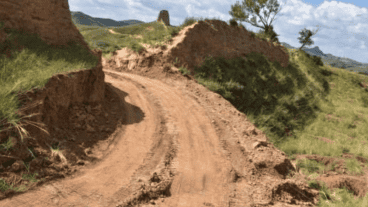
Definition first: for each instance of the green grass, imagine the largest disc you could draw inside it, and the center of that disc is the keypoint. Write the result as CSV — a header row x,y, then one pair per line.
x,y
292,105
32,66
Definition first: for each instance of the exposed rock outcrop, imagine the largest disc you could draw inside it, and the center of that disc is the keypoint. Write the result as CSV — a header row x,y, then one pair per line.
x,y
50,19
164,17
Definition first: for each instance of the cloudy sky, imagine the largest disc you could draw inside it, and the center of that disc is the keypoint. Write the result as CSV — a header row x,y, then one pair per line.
x,y
343,25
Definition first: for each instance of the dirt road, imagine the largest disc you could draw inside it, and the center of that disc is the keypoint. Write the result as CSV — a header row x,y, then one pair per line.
x,y
201,161
203,172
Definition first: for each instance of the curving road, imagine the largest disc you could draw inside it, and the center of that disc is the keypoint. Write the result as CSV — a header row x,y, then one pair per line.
x,y
171,120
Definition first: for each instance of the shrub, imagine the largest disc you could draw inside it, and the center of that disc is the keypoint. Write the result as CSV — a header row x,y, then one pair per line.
x,y
184,71
317,60
252,34
174,32
273,36
268,33
307,54
233,23
188,21
365,100
363,73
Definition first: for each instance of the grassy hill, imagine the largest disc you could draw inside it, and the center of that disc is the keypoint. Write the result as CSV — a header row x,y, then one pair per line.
x,y
294,106
84,19
334,61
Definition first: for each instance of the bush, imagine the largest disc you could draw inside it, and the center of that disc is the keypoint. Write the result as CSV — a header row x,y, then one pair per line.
x,y
307,54
184,71
252,34
188,21
268,32
273,37
174,32
233,23
317,60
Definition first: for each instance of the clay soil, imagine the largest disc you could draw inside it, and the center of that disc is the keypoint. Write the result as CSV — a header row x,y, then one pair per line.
x,y
161,139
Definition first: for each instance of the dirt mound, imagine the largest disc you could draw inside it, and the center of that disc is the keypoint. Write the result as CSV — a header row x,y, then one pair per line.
x,y
160,138
196,42
50,20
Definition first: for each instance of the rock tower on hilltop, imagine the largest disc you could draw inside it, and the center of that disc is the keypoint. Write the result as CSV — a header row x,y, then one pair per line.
x,y
164,16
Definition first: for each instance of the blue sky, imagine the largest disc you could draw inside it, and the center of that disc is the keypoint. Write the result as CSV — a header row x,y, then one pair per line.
x,y
343,25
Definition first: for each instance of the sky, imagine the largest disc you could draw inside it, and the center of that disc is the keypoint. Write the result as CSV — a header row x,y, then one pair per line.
x,y
342,25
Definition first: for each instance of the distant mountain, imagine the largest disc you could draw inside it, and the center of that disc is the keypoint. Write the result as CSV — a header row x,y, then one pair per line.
x,y
332,60
84,19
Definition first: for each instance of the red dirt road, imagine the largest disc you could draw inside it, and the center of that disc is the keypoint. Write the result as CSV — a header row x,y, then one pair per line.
x,y
200,161
202,165
204,173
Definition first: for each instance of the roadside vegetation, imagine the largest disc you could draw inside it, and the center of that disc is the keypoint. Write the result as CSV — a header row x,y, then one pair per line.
x,y
295,106
27,62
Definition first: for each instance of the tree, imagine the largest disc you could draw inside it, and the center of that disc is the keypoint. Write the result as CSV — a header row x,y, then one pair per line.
x,y
242,12
305,37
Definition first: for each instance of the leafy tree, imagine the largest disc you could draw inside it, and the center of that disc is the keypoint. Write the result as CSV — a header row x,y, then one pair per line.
x,y
242,12
305,37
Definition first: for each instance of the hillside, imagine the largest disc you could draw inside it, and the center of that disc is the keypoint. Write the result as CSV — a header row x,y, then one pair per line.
x,y
84,19
334,61
79,18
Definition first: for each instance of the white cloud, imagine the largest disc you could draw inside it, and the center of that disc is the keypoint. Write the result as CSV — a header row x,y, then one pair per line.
x,y
343,27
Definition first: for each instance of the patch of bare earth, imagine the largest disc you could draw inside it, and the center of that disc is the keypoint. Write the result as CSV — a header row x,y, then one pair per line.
x,y
162,139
